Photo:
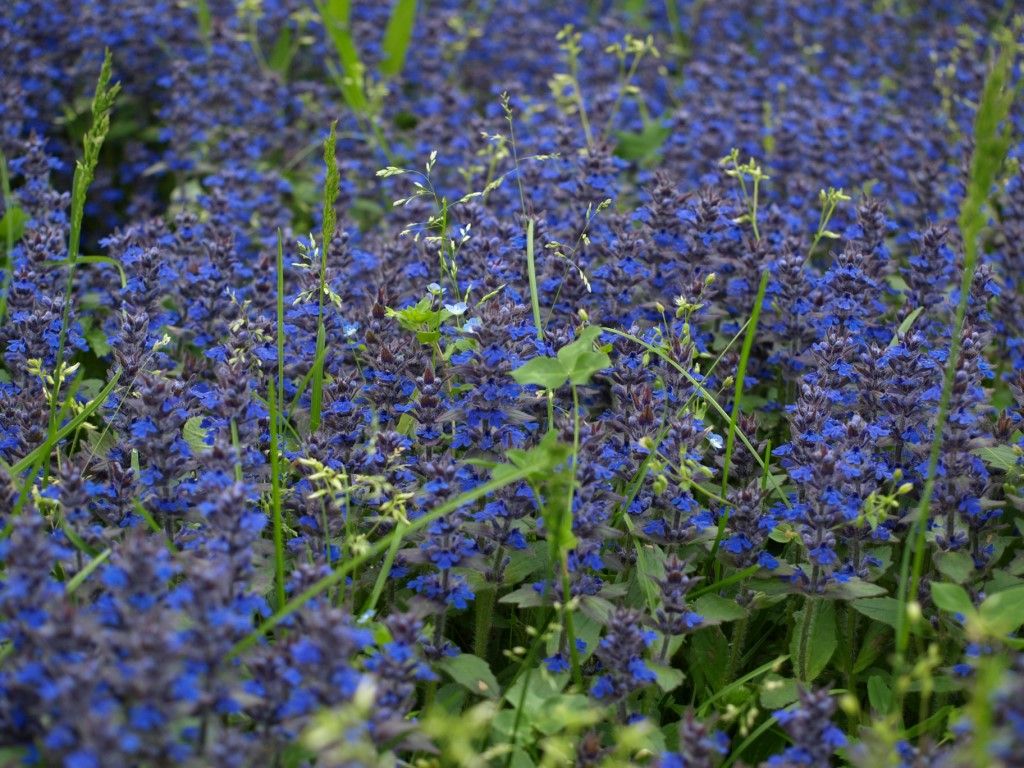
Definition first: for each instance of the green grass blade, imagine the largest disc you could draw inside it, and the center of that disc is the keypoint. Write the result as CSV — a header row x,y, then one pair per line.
x,y
154,526
741,373
728,581
331,184
992,138
110,261
33,457
79,578
705,706
33,460
280,322
905,326
397,37
85,168
340,573
385,570
277,518
706,397
335,17
8,233
531,273
204,19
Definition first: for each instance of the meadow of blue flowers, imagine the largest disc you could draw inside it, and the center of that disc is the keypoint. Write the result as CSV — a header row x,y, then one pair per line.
x,y
514,384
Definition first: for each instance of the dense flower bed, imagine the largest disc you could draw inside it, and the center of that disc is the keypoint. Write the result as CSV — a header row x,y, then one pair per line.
x,y
511,383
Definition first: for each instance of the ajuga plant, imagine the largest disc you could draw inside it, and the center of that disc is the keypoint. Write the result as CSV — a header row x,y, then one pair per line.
x,y
511,384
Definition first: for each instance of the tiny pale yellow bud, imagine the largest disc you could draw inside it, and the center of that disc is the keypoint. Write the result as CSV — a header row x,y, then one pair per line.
x,y
849,704
914,613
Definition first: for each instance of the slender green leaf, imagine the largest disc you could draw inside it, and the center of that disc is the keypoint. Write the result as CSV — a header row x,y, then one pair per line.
x,y
397,36
708,398
85,169
12,225
714,608
992,138
79,578
331,183
531,273
341,572
40,452
335,17
908,321
277,514
814,639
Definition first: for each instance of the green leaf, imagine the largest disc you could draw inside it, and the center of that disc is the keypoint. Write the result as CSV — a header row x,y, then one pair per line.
x,y
98,341
546,372
397,37
540,460
12,225
958,566
814,638
204,19
879,694
472,673
1003,612
667,678
857,588
883,609
539,689
280,58
778,692
579,360
586,365
79,578
647,556
643,145
876,641
195,435
952,598
716,609
1002,457
905,326
335,17
523,597
708,657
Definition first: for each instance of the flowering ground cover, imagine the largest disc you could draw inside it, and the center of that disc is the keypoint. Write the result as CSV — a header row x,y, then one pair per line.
x,y
511,384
